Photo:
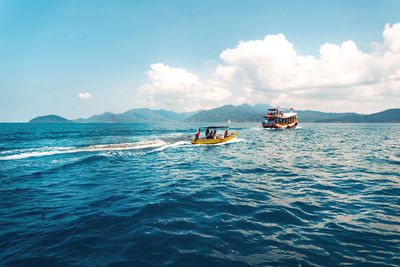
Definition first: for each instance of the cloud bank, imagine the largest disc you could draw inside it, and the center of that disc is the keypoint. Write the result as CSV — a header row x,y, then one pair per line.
x,y
271,71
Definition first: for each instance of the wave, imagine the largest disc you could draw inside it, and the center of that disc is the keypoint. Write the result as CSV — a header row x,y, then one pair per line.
x,y
173,145
171,140
232,141
92,148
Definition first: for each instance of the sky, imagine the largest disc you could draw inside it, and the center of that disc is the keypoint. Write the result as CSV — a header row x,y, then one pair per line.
x,y
80,58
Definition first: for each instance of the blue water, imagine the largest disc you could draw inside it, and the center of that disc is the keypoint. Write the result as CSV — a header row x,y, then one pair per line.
x,y
142,195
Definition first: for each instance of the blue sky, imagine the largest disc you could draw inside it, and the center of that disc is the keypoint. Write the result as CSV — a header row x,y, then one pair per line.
x,y
52,51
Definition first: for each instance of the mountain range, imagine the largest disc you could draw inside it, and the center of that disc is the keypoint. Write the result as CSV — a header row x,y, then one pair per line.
x,y
240,113
138,115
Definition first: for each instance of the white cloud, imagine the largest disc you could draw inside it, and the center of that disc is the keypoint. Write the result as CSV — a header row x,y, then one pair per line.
x,y
177,87
86,95
272,71
239,100
272,64
343,74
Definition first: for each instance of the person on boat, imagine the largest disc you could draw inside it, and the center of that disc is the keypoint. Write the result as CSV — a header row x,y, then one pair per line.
x,y
207,133
197,135
226,134
215,136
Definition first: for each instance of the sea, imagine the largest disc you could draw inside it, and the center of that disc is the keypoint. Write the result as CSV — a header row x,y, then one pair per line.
x,y
143,195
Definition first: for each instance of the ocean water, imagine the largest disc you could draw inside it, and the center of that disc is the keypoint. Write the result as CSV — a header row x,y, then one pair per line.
x,y
142,195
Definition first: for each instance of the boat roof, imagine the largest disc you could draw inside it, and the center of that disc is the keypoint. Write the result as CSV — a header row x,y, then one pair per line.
x,y
214,127
290,114
284,115
272,109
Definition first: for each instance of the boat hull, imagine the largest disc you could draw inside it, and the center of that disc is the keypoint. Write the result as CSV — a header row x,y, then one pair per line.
x,y
280,126
213,141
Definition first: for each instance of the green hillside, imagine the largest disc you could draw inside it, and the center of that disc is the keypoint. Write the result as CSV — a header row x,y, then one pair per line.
x,y
317,116
247,113
49,119
243,113
137,115
390,115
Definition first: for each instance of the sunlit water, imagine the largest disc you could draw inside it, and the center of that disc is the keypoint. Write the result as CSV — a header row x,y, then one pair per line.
x,y
141,194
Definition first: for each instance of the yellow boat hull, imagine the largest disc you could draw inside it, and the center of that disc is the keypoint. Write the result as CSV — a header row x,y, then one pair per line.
x,y
213,141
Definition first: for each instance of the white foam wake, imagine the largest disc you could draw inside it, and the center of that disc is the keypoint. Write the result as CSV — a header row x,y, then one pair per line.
x,y
106,147
234,140
173,145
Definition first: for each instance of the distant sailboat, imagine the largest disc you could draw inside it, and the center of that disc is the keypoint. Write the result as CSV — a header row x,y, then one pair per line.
x,y
229,121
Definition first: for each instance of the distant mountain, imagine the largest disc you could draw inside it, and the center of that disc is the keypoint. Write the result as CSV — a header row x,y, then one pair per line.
x,y
247,113
390,115
137,115
106,117
242,113
317,116
49,119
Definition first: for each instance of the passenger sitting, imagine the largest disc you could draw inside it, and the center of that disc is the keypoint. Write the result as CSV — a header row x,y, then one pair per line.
x,y
226,134
197,136
215,136
210,135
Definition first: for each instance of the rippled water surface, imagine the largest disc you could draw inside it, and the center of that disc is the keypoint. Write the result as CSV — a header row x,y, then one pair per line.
x,y
142,195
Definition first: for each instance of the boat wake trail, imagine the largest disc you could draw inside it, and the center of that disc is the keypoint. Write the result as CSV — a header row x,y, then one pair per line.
x,y
160,144
172,145
92,148
235,140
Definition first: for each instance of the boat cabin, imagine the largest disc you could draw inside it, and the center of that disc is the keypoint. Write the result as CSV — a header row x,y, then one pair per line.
x,y
275,118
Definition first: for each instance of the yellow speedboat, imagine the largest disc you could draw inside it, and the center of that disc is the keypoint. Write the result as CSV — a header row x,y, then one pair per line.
x,y
211,136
